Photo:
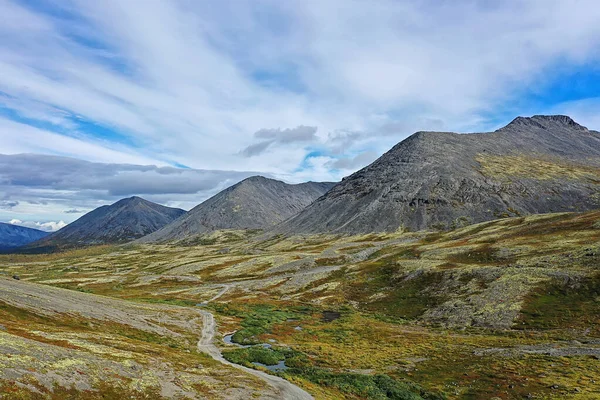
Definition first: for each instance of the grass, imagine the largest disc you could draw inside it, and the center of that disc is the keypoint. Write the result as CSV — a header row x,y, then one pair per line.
x,y
21,322
70,254
168,300
101,354
541,270
101,391
258,319
253,354
330,261
378,386
399,295
484,254
563,303
531,167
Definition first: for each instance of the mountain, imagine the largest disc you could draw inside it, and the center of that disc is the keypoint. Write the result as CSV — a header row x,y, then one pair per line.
x,y
123,221
254,203
12,236
445,180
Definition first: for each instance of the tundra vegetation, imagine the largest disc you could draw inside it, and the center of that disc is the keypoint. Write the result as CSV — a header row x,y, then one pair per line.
x,y
507,309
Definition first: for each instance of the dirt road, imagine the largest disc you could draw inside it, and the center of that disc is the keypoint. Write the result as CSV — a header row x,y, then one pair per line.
x,y
206,344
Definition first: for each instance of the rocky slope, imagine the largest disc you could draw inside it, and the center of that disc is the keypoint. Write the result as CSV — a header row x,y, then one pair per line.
x,y
123,221
445,180
254,203
12,236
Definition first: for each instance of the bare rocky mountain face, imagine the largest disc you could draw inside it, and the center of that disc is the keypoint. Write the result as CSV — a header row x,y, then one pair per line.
x,y
121,222
12,236
254,203
445,180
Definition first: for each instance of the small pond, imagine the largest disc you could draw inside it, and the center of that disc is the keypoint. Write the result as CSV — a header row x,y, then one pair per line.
x,y
280,366
329,316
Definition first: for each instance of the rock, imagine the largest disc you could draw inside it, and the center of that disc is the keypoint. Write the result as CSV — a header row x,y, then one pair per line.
x,y
121,222
254,203
446,180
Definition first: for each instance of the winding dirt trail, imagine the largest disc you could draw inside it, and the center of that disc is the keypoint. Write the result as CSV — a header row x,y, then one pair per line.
x,y
206,345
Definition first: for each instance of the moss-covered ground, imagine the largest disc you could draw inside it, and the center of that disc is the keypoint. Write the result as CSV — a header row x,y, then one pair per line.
x,y
506,309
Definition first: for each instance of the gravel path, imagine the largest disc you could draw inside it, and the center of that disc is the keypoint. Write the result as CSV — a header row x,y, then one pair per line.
x,y
287,391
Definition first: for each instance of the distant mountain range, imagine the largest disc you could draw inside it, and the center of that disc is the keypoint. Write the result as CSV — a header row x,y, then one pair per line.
x,y
445,180
431,180
254,203
121,222
13,236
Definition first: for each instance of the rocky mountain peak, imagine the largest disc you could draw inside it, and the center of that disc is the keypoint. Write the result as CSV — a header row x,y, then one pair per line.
x,y
123,221
443,180
131,201
255,180
254,203
544,122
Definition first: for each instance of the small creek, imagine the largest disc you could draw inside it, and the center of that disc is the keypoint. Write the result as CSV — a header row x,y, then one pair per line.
x,y
328,316
280,366
206,345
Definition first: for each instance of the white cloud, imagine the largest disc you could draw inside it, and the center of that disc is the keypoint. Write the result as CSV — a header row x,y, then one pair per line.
x,y
21,138
8,204
583,111
200,83
256,149
178,77
43,226
40,187
300,134
353,163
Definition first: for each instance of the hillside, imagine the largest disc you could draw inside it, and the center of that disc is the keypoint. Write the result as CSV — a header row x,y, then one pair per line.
x,y
442,180
254,203
121,222
502,309
12,236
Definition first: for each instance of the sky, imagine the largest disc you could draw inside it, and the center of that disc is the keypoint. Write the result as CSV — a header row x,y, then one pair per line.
x,y
175,100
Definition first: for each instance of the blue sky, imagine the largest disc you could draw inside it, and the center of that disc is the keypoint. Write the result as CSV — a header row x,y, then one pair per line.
x,y
296,90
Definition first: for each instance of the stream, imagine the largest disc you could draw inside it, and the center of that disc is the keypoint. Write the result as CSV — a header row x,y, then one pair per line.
x,y
280,366
287,390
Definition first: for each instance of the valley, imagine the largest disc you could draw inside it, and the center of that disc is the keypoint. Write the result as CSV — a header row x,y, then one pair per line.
x,y
299,200
502,309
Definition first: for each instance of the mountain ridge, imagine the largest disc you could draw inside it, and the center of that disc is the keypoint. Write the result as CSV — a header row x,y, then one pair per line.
x,y
443,180
125,220
13,236
253,203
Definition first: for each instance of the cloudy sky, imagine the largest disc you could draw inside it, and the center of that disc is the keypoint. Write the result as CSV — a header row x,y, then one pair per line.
x,y
174,100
